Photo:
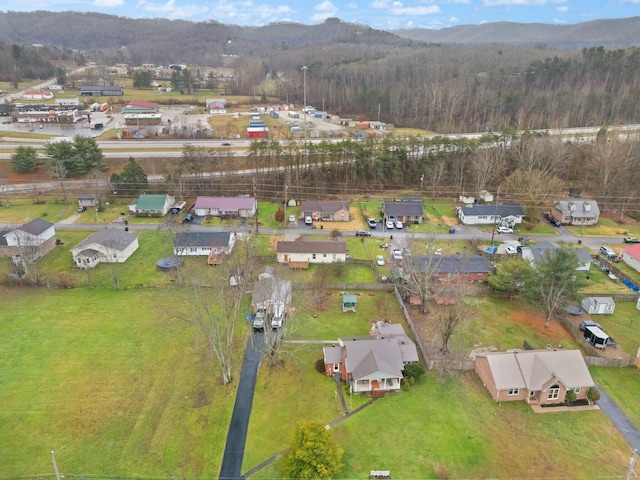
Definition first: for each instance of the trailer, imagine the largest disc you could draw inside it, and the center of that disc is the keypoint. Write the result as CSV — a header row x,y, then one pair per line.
x,y
596,337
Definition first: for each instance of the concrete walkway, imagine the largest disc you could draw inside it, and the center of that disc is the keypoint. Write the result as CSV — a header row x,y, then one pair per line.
x,y
237,436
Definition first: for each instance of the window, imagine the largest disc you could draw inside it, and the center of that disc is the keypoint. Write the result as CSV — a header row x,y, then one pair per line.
x,y
336,367
514,391
313,256
554,393
324,255
576,390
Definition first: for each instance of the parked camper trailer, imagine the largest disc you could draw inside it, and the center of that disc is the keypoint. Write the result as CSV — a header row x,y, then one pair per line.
x,y
596,337
104,107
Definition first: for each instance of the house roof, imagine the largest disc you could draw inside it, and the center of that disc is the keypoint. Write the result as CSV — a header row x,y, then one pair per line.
x,y
328,206
112,238
3,240
271,290
332,354
409,207
593,301
538,250
452,263
633,251
140,104
225,203
367,357
35,227
307,245
151,201
578,208
349,299
490,210
203,239
537,369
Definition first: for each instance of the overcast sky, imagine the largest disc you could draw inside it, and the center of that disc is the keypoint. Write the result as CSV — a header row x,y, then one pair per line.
x,y
381,14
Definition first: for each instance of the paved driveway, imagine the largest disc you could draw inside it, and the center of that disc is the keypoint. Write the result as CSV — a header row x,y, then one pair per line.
x,y
626,427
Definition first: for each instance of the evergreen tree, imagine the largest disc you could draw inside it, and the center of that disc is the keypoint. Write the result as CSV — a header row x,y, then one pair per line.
x,y
131,180
25,160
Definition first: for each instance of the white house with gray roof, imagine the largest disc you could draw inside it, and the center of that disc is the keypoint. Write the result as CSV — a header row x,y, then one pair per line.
x,y
538,377
110,245
502,215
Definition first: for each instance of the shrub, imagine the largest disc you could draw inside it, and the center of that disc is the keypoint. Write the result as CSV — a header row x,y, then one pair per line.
x,y
405,386
571,396
593,395
414,371
320,365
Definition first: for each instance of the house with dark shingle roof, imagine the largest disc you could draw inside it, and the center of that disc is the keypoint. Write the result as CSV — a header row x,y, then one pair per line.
x,y
215,245
538,377
459,268
29,242
109,245
304,250
372,364
406,210
504,215
326,210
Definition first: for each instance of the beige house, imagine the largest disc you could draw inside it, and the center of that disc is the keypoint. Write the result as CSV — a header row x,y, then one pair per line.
x,y
109,245
303,251
576,212
327,211
538,377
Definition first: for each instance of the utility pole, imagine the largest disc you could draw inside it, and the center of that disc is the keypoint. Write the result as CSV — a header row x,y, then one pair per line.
x,y
495,216
256,200
286,219
55,466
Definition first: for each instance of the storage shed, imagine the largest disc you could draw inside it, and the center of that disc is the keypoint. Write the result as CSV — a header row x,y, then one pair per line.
x,y
349,303
598,305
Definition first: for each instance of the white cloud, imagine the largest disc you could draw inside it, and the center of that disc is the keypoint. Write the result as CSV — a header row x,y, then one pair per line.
x,y
496,3
352,5
378,4
557,21
562,9
454,20
108,3
428,10
248,13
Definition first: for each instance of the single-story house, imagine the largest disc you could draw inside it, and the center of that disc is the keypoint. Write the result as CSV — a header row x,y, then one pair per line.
x,y
242,206
213,244
631,256
539,377
302,251
138,106
406,210
460,268
504,215
576,212
110,245
349,303
598,305
370,365
329,211
152,205
88,201
536,252
28,242
101,90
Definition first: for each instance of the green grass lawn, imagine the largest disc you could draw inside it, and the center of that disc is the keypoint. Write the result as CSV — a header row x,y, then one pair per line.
x,y
20,210
112,382
607,228
623,386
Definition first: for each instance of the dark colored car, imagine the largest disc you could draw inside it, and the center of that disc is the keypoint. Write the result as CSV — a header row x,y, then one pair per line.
x,y
362,233
189,217
555,222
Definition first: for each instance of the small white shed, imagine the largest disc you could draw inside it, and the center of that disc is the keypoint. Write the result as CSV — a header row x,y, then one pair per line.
x,y
598,305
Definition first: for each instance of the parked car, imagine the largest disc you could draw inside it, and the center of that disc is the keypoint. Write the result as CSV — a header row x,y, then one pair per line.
x,y
362,233
631,240
390,225
308,220
608,252
397,254
511,250
372,223
384,245
82,209
189,217
292,218
504,230
380,260
588,323
399,225
555,222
